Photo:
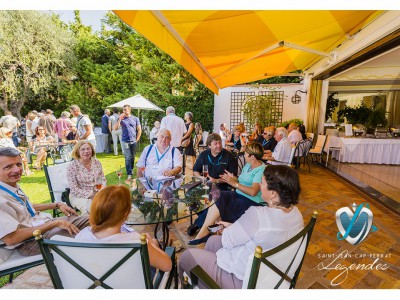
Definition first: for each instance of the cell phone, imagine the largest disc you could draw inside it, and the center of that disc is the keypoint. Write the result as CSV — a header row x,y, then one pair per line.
x,y
215,228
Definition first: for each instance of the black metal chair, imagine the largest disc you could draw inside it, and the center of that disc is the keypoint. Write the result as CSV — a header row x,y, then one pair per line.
x,y
301,153
78,265
277,268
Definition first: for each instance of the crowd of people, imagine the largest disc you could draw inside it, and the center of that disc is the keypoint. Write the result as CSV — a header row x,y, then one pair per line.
x,y
256,206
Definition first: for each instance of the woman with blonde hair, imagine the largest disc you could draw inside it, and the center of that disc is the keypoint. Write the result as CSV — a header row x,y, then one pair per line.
x,y
110,208
235,142
6,141
83,173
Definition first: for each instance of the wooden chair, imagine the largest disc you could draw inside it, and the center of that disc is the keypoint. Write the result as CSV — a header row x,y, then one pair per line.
x,y
56,178
11,262
277,268
318,149
88,265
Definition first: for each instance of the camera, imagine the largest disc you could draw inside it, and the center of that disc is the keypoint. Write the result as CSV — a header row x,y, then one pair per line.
x,y
215,228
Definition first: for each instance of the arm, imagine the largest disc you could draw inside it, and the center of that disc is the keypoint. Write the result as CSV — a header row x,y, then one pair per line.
x,y
109,125
232,180
73,182
29,127
139,132
177,165
189,132
88,129
158,258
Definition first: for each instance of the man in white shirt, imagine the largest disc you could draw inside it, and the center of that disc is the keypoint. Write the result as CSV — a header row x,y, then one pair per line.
x,y
175,125
160,158
83,125
12,123
19,218
115,133
283,149
294,134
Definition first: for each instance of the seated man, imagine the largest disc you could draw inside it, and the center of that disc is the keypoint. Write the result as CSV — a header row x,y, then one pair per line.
x,y
218,160
267,139
294,134
19,218
160,158
282,151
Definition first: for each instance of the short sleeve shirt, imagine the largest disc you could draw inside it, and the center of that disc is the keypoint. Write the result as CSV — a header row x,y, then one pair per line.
x,y
83,121
129,126
248,177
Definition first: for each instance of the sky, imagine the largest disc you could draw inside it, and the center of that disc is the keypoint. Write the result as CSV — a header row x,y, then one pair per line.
x,y
88,17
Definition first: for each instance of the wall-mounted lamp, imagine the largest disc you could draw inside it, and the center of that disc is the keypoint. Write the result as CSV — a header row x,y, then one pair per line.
x,y
296,99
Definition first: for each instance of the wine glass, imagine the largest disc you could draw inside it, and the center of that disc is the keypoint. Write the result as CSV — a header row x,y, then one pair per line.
x,y
205,187
98,183
119,174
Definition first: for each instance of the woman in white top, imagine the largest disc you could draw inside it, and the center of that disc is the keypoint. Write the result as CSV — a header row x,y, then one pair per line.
x,y
108,212
225,256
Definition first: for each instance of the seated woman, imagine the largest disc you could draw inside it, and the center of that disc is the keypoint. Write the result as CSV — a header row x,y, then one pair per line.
x,y
256,134
82,174
225,257
6,141
231,205
39,146
235,143
110,208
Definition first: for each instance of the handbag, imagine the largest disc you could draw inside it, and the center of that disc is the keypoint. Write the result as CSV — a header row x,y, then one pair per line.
x,y
185,143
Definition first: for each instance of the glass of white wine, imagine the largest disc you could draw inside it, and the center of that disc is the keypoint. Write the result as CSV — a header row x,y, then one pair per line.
x,y
205,175
119,174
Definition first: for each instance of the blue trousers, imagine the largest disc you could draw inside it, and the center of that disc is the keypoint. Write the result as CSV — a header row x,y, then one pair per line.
x,y
129,153
15,139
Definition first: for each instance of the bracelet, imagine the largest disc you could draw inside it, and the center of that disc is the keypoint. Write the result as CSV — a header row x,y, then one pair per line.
x,y
236,186
57,205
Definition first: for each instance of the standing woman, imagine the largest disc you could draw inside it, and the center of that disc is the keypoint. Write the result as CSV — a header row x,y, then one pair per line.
x,y
187,140
82,174
198,137
39,144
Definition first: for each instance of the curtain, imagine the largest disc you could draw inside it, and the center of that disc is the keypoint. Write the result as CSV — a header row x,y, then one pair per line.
x,y
314,106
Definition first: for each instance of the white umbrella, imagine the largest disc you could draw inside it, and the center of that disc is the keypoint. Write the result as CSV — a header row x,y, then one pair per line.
x,y
137,102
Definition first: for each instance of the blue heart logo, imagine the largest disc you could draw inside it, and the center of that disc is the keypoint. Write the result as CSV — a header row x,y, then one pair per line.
x,y
354,227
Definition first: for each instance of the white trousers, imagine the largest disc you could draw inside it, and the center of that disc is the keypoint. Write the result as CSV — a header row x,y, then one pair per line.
x,y
115,135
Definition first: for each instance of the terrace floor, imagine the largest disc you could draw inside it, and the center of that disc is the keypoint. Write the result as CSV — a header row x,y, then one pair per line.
x,y
325,192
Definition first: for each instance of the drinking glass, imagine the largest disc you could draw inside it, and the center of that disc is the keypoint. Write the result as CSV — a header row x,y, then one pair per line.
x,y
205,187
119,174
98,183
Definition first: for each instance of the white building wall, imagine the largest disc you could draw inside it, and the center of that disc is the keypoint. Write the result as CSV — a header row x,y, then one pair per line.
x,y
222,102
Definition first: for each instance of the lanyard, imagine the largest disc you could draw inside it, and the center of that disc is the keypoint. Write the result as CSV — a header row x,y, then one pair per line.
x,y
162,156
217,164
27,204
265,142
235,142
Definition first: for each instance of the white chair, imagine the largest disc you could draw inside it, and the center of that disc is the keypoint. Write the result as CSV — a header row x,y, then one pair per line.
x,y
56,177
289,162
318,148
332,144
310,135
277,268
11,262
76,264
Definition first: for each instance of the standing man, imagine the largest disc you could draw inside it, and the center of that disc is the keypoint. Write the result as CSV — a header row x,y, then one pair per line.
x,y
46,120
175,125
12,123
131,132
83,125
105,130
19,218
115,133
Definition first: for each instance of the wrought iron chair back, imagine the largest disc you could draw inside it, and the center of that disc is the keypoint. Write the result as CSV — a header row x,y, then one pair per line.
x,y
72,264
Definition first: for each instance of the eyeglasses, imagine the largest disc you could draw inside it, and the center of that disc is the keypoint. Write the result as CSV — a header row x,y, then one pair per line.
x,y
264,133
41,129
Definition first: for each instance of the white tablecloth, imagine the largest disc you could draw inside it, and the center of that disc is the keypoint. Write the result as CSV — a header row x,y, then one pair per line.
x,y
101,140
369,151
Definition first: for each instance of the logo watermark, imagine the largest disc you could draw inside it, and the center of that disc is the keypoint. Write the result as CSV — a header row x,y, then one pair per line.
x,y
355,225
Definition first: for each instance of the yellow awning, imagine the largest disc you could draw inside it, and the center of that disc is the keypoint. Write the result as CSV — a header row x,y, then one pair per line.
x,y
224,48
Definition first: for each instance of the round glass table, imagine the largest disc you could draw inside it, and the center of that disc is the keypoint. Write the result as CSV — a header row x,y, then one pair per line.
x,y
162,200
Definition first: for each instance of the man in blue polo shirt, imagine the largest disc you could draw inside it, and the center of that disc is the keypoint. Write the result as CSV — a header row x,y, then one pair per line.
x,y
131,132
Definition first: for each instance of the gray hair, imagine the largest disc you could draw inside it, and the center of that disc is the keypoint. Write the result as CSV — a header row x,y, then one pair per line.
x,y
281,131
9,152
170,110
189,114
163,131
65,114
75,107
106,110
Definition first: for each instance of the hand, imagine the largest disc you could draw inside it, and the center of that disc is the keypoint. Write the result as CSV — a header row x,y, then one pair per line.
x,y
64,224
121,117
229,178
152,241
169,172
66,210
